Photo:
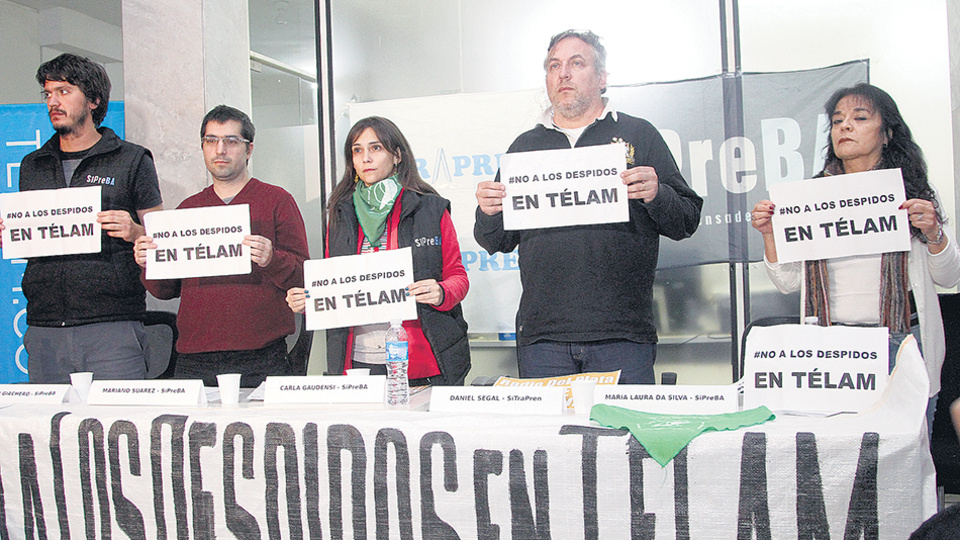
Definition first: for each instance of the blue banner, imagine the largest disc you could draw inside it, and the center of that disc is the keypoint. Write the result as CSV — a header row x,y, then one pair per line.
x,y
23,129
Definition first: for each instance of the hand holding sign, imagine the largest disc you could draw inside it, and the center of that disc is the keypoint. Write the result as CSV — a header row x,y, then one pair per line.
x,y
923,216
119,224
641,183
762,220
140,248
761,217
490,197
297,299
261,249
427,291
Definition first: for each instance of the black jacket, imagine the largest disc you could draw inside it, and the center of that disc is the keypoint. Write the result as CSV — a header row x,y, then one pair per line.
x,y
71,290
595,282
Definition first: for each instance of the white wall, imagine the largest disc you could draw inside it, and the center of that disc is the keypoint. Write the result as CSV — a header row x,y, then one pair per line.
x,y
19,53
953,31
29,37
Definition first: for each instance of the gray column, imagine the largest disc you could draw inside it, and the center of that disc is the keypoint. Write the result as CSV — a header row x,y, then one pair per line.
x,y
180,59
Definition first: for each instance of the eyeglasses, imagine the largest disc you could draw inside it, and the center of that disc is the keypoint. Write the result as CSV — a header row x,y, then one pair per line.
x,y
230,141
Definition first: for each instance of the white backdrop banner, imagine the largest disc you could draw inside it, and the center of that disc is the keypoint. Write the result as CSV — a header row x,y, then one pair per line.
x,y
339,472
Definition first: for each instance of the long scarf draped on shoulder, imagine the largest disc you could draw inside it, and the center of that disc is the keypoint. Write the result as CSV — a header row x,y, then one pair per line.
x,y
894,287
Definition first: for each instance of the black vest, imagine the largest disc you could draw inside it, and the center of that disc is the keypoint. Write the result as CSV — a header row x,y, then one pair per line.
x,y
71,290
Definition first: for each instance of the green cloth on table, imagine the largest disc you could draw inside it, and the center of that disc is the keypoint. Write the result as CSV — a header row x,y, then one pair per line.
x,y
664,435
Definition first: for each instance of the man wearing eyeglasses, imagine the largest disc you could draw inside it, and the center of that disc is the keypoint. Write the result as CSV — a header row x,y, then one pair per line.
x,y
237,324
85,312
586,302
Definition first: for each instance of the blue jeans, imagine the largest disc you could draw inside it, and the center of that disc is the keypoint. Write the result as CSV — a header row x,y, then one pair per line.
x,y
556,358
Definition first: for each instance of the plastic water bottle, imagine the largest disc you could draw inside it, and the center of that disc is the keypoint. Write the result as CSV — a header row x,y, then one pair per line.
x,y
398,387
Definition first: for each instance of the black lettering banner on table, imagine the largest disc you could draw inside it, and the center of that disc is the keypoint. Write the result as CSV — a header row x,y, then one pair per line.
x,y
297,473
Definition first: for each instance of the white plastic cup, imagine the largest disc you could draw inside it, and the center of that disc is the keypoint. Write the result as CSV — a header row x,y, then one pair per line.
x,y
81,381
582,396
358,372
229,384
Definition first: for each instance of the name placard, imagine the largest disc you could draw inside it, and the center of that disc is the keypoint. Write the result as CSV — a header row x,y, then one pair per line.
x,y
557,188
564,381
182,392
325,389
359,289
33,393
681,399
198,242
501,400
840,216
50,222
815,369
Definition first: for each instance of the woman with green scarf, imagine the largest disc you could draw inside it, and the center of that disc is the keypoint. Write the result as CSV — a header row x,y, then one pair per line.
x,y
381,203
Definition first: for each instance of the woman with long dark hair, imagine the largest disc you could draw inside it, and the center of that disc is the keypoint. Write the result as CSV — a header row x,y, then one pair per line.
x,y
896,289
381,203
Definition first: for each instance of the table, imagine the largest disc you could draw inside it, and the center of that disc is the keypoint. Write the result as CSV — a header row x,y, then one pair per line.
x,y
75,471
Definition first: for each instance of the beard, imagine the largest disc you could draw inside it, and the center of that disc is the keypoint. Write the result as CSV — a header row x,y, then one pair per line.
x,y
71,124
574,109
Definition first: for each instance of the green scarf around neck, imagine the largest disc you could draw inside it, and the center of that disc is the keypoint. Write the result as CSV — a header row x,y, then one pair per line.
x,y
373,204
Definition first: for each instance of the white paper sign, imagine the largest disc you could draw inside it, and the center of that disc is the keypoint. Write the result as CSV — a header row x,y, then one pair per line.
x,y
33,393
359,289
501,400
680,399
198,242
50,222
325,389
557,188
840,216
815,369
182,392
